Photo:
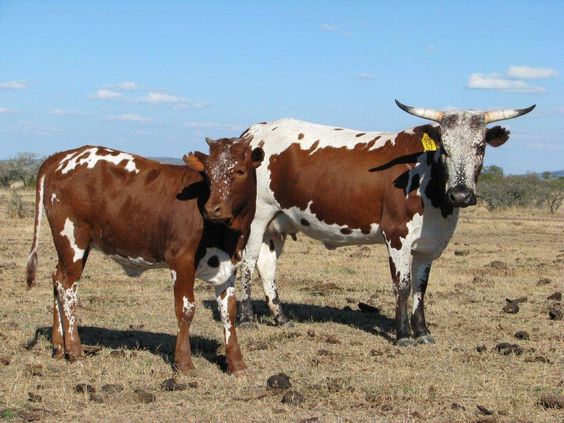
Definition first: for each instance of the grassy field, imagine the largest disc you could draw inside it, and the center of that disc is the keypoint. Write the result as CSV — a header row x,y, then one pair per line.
x,y
340,359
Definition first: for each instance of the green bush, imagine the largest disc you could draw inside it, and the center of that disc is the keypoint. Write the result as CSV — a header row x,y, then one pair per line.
x,y
16,206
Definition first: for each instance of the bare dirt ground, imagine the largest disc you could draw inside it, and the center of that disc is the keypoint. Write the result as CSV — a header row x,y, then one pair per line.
x,y
340,359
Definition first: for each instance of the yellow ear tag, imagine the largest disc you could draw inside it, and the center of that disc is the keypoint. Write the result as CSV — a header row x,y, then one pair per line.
x,y
428,143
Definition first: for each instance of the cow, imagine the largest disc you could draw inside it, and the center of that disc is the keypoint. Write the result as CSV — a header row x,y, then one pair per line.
x,y
193,219
347,187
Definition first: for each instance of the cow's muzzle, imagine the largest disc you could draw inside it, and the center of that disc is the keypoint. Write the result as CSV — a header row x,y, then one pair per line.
x,y
461,196
218,212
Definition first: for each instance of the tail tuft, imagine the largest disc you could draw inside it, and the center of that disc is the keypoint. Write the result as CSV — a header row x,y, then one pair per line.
x,y
31,269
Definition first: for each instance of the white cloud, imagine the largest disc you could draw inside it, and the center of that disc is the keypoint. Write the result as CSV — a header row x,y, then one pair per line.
x,y
334,28
63,112
126,85
482,81
6,110
130,117
155,97
529,72
211,125
105,94
13,85
365,75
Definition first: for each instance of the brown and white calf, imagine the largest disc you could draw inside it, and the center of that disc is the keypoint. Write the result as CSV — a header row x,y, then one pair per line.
x,y
347,187
144,214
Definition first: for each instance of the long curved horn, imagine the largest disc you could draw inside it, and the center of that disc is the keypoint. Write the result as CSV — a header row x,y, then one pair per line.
x,y
496,115
422,113
209,141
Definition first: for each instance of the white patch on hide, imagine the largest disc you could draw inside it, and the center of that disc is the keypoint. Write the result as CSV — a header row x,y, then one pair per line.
x,y
223,305
68,232
68,298
216,275
91,158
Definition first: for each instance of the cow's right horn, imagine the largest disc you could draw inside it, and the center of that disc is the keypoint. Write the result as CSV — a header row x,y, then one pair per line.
x,y
422,113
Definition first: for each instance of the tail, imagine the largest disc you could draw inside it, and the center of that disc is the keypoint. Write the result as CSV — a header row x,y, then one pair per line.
x,y
32,260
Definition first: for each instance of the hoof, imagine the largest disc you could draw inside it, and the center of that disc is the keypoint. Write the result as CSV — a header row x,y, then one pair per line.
x,y
240,374
425,339
184,368
58,353
73,358
405,342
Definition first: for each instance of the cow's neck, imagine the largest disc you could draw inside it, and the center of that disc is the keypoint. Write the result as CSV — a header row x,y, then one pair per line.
x,y
436,189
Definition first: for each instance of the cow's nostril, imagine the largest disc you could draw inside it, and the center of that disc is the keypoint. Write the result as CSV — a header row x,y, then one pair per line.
x,y
217,210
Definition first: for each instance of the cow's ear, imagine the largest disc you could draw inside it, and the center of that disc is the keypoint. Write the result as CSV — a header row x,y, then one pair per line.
x,y
497,136
257,156
195,161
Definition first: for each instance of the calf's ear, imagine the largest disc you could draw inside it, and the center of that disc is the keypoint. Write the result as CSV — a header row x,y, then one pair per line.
x,y
257,156
195,161
497,136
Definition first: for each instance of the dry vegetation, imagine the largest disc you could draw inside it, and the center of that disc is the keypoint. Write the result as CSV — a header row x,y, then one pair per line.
x,y
338,358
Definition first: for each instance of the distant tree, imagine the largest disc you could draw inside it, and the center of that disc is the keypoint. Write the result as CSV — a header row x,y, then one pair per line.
x,y
555,193
22,168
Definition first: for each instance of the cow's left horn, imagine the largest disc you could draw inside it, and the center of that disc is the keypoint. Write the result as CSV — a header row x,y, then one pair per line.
x,y
422,113
495,115
209,141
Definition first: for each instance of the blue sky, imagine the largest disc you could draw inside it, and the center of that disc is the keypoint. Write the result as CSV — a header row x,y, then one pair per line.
x,y
156,77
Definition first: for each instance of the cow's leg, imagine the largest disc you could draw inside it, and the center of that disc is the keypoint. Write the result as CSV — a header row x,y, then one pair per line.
x,y
72,245
65,323
184,307
420,276
266,265
252,250
400,267
227,305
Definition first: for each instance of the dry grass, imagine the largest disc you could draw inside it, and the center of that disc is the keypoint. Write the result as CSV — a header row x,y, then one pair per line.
x,y
340,360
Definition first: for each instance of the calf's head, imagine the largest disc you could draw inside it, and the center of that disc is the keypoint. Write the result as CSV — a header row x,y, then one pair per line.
x,y
464,136
230,173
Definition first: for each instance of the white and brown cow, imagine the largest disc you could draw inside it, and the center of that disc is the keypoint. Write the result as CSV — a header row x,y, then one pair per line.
x,y
346,187
144,214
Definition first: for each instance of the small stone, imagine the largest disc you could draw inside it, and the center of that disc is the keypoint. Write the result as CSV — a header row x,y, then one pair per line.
x,y
332,340
483,410
97,398
557,296
456,406
91,349
555,314
31,397
292,397
544,281
110,388
279,381
170,385
481,348
537,359
5,360
461,252
367,308
522,335
82,388
505,348
145,397
511,308
551,401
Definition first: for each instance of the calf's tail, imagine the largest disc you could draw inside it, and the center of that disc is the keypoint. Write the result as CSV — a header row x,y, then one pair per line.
x,y
32,259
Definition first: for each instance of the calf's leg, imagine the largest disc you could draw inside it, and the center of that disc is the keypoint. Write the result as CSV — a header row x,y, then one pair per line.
x,y
227,305
266,265
184,307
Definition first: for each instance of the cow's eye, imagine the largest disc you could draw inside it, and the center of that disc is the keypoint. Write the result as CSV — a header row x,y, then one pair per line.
x,y
240,172
481,148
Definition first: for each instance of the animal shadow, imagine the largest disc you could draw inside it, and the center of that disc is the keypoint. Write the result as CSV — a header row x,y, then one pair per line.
x,y
160,344
374,322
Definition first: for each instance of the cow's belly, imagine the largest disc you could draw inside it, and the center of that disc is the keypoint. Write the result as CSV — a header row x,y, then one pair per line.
x,y
295,220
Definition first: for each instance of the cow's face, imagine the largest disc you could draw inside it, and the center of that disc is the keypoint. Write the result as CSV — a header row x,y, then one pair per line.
x,y
464,136
229,171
